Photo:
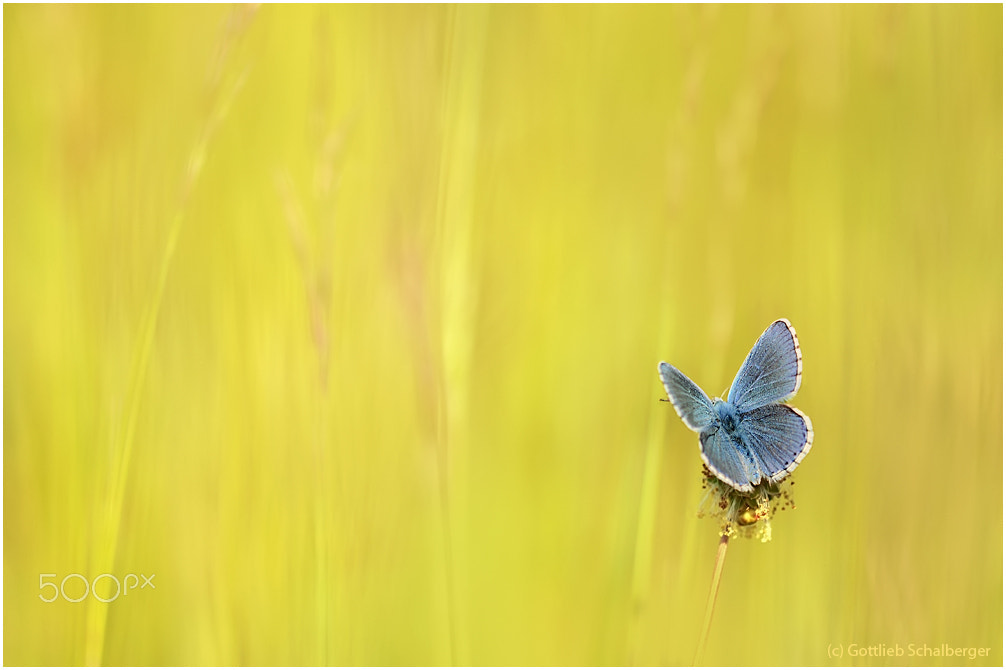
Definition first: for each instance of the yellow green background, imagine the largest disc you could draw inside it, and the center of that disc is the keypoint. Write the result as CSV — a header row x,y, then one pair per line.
x,y
344,322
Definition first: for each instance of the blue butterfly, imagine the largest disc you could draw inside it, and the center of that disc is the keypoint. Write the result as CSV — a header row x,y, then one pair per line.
x,y
751,436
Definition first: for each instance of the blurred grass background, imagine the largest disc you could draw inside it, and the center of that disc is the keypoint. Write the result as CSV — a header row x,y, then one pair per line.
x,y
344,322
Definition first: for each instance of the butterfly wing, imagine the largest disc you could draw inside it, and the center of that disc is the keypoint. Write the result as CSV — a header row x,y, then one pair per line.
x,y
690,402
729,460
772,370
778,437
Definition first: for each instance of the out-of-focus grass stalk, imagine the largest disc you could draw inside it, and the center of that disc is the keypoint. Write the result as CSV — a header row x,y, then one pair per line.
x,y
110,522
721,554
691,89
317,275
314,279
646,519
461,112
642,566
316,271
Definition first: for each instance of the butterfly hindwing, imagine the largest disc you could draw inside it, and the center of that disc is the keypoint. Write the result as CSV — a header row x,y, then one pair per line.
x,y
771,372
691,403
778,436
728,459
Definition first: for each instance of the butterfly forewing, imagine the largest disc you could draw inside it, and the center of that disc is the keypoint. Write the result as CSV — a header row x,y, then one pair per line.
x,y
691,403
771,372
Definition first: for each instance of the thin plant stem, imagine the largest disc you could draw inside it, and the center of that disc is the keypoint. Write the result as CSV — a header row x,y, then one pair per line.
x,y
645,524
111,519
463,67
721,554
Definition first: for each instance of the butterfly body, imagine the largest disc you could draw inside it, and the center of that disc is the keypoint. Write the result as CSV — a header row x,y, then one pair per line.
x,y
726,416
751,436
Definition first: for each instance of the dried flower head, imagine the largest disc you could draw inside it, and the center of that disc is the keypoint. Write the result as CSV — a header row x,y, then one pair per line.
x,y
744,513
